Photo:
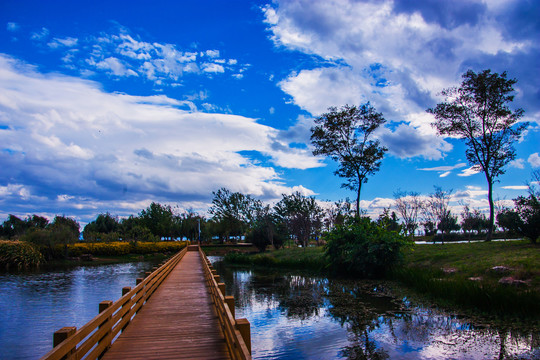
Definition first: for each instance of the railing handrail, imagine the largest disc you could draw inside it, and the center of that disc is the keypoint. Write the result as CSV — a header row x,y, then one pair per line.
x,y
236,331
93,338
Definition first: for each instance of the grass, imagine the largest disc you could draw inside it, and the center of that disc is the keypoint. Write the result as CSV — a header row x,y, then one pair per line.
x,y
475,260
289,258
19,254
423,271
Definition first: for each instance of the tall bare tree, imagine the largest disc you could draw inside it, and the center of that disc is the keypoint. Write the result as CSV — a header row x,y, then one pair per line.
x,y
409,206
478,112
345,135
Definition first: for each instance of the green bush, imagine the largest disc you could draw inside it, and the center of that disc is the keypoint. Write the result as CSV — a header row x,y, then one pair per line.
x,y
120,248
19,254
363,248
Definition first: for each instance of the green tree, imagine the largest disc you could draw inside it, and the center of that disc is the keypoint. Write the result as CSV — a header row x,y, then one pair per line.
x,y
448,223
364,248
14,227
234,211
64,230
36,221
159,219
345,136
478,113
104,224
301,215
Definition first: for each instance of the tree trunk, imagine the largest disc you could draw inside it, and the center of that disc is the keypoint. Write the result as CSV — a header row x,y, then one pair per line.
x,y
358,199
491,209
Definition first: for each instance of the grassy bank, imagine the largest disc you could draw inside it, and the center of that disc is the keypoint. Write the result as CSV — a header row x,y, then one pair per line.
x,y
21,254
121,248
450,274
290,258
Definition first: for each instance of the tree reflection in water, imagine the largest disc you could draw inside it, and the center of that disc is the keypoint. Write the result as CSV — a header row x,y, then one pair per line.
x,y
377,326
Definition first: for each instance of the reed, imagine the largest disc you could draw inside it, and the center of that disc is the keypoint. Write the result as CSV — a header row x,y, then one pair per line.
x,y
475,295
19,254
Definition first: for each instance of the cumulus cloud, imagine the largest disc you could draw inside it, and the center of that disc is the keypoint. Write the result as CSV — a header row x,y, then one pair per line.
x,y
64,139
400,54
407,141
518,164
534,160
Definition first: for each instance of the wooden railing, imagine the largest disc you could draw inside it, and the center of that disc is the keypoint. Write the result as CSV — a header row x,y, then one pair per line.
x,y
237,331
94,338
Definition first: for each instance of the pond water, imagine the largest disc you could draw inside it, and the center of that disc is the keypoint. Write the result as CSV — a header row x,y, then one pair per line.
x,y
291,316
303,317
33,305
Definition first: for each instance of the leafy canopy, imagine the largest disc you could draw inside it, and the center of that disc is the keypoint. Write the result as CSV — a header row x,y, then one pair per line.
x,y
345,136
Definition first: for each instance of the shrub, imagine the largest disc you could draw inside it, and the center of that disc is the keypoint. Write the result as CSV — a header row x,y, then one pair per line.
x,y
19,254
363,248
120,248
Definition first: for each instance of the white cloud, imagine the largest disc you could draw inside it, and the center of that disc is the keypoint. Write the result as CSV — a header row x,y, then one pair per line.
x,y
469,171
444,171
44,33
12,26
397,55
534,160
115,66
212,53
445,174
516,187
407,141
444,168
212,68
66,42
125,55
66,137
518,164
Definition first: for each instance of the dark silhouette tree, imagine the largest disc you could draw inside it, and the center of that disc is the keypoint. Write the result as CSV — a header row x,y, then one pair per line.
x,y
159,219
233,211
409,206
301,215
345,135
478,112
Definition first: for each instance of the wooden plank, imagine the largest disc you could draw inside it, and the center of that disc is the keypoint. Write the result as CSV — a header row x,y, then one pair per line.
x,y
177,322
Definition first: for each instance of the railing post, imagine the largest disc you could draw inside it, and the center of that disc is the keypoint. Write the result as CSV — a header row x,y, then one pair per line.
x,y
125,290
217,278
229,300
221,287
244,327
104,305
138,281
64,334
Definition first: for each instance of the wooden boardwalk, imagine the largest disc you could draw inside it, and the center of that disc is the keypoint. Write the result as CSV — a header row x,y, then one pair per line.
x,y
177,322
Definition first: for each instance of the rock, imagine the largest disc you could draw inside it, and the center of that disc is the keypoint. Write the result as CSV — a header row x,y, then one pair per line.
x,y
87,257
476,278
501,269
510,281
449,270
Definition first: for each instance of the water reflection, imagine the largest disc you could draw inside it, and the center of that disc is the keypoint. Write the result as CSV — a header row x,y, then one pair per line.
x,y
299,317
35,304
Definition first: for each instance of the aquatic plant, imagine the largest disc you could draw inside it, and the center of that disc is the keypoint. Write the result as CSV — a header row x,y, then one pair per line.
x,y
19,254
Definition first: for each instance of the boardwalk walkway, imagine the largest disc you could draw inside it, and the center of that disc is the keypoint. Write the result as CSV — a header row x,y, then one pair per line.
x,y
177,322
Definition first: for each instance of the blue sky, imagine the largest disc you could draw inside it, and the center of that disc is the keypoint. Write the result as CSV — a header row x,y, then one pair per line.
x,y
107,106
